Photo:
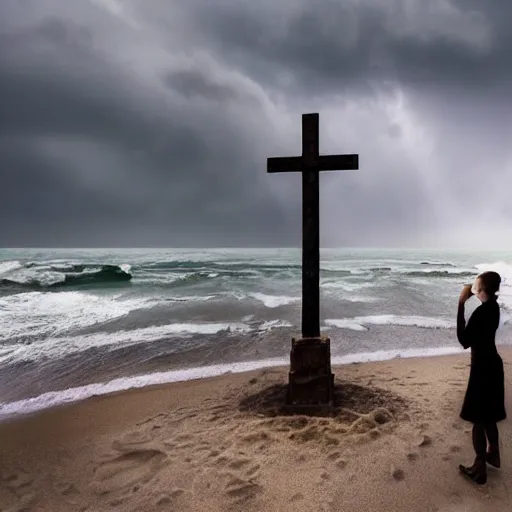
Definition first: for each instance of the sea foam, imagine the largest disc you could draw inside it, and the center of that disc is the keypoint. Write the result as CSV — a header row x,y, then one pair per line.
x,y
274,301
65,345
359,323
43,314
70,395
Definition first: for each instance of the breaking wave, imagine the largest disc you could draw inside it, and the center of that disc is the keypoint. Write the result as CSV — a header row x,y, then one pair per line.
x,y
32,276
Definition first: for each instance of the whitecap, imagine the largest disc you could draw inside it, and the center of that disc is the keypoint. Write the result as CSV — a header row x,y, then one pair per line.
x,y
274,301
274,324
9,266
57,347
45,313
360,322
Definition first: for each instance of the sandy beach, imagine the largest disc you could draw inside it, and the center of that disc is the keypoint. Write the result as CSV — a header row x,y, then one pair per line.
x,y
223,443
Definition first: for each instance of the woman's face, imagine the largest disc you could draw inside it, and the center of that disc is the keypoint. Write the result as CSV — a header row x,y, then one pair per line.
x,y
478,290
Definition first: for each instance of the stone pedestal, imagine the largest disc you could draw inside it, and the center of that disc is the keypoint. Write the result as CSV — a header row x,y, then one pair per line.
x,y
310,380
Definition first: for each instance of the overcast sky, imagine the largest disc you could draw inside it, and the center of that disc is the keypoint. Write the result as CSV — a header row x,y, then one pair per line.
x,y
148,122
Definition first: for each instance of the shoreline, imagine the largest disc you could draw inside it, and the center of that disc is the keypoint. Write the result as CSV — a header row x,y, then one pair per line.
x,y
223,443
11,411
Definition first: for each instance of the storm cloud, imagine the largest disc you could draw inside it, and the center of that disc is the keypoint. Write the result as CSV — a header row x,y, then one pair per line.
x,y
141,123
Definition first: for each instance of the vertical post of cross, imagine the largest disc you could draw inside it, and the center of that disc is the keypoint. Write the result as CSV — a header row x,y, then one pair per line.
x,y
310,228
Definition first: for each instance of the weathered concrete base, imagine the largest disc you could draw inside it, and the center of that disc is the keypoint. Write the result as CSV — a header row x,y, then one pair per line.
x,y
310,380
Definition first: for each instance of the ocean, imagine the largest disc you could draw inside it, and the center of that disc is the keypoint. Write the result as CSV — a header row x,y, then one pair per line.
x,y
80,322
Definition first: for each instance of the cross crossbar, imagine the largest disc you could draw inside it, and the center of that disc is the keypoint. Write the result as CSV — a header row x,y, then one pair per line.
x,y
323,163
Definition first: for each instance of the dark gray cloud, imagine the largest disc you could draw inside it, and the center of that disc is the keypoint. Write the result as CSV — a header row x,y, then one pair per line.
x,y
331,46
136,123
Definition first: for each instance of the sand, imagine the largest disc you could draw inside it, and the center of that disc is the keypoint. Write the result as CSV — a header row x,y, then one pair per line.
x,y
223,444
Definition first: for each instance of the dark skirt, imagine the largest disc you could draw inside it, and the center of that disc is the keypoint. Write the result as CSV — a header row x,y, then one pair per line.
x,y
485,395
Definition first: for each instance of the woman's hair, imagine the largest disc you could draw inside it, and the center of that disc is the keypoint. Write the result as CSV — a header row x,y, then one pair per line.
x,y
490,282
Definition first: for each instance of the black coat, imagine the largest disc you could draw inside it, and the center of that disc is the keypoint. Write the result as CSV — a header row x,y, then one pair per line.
x,y
484,401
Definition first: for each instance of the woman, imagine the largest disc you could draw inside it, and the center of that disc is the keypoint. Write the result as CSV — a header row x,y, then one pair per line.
x,y
484,403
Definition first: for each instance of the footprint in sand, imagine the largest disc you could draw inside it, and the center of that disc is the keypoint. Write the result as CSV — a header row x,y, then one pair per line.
x,y
182,438
412,456
239,463
334,456
222,460
398,474
166,499
133,468
183,446
203,447
324,476
331,441
24,503
17,480
163,500
241,489
68,491
253,470
18,485
297,497
308,434
341,464
131,439
425,441
257,437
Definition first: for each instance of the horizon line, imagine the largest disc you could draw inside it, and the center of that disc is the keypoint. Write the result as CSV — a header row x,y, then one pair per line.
x,y
259,247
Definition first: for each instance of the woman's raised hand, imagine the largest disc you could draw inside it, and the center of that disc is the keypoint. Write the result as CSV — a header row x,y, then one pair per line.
x,y
466,293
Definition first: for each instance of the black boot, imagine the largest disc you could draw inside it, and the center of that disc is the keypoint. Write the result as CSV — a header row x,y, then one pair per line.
x,y
477,472
493,456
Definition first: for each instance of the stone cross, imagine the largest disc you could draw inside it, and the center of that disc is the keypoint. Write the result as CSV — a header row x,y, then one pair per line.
x,y
310,357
